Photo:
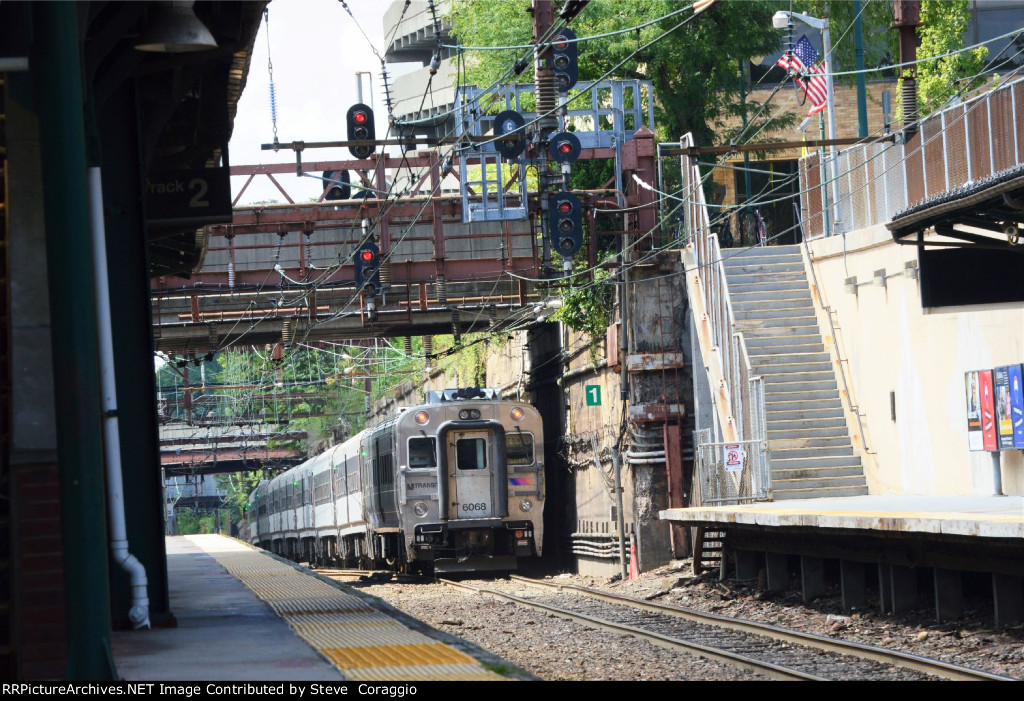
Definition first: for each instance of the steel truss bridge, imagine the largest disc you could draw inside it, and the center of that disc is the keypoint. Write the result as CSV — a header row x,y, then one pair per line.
x,y
462,246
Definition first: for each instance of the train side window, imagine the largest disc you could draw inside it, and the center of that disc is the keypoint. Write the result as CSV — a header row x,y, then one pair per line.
x,y
422,452
518,449
471,453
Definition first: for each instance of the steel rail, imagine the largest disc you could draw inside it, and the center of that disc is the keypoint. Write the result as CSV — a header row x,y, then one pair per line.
x,y
935,668
723,656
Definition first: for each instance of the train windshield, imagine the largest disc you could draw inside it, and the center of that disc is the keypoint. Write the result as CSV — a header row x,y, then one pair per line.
x,y
422,452
518,449
471,453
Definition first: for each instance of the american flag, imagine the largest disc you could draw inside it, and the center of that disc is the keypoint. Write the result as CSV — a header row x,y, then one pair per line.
x,y
803,60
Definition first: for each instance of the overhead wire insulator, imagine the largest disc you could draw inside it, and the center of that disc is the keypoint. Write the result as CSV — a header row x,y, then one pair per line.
x,y
456,327
408,346
273,102
442,290
387,92
270,71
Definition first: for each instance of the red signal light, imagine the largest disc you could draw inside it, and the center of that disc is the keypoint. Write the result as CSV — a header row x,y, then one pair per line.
x,y
565,147
564,207
359,117
366,256
560,43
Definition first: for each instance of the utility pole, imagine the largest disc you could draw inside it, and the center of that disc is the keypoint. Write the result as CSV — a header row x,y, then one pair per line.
x,y
906,18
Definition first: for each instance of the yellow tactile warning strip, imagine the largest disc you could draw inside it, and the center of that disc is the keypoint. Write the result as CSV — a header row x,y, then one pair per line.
x,y
361,641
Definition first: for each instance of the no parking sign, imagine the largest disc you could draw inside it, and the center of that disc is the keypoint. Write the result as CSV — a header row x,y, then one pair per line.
x,y
733,458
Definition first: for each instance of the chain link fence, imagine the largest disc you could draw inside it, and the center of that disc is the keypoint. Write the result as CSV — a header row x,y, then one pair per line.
x,y
957,146
731,473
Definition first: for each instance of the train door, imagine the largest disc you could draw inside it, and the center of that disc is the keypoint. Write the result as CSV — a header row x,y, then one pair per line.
x,y
307,501
471,452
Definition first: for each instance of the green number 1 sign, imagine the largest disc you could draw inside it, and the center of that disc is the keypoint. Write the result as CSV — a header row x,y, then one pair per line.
x,y
593,395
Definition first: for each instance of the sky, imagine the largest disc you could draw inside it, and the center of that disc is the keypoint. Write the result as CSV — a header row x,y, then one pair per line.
x,y
316,49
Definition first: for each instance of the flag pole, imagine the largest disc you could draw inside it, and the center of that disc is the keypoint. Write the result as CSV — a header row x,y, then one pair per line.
x,y
830,98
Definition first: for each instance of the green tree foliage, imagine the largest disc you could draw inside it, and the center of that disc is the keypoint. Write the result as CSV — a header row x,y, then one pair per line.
x,y
238,487
191,522
944,25
880,42
693,69
587,308
464,361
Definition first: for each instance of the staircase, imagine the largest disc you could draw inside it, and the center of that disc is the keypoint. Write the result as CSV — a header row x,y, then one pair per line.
x,y
808,441
708,548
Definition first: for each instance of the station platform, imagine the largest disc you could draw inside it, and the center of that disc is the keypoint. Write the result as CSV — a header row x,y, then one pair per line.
x,y
245,615
978,516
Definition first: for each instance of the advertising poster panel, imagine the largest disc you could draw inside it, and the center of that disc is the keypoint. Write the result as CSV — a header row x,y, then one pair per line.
x,y
974,440
1017,404
988,411
1004,418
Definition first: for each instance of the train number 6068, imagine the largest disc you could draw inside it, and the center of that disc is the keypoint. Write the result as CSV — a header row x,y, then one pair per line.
x,y
474,507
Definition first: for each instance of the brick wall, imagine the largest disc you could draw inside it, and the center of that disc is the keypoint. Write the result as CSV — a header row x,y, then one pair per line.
x,y
846,126
38,571
846,110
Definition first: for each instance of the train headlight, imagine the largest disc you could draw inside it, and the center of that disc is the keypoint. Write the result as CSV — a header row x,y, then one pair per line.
x,y
420,509
525,505
469,414
518,413
422,417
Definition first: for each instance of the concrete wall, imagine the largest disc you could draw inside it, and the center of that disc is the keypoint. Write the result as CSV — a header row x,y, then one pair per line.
x,y
34,422
893,345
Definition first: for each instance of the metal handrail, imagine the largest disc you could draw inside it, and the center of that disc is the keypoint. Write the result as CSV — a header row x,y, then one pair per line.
x,y
744,390
854,408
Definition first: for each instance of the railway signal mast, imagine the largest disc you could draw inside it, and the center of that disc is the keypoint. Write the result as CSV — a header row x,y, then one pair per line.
x,y
557,72
359,121
367,274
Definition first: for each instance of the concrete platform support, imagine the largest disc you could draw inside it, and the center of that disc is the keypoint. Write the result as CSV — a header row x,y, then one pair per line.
x,y
949,595
777,570
746,565
851,576
1008,595
812,577
904,588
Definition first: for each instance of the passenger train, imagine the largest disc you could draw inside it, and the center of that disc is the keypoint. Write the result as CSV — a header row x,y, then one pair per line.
x,y
456,484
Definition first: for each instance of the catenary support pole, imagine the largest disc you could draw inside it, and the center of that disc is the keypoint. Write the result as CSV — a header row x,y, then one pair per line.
x,y
858,43
620,519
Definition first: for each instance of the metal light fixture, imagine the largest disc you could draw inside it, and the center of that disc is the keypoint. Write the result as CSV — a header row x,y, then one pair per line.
x,y
173,28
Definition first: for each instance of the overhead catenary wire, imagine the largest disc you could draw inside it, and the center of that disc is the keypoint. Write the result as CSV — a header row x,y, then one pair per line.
x,y
661,222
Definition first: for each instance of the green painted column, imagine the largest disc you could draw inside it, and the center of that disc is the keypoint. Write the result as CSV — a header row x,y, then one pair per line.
x,y
57,83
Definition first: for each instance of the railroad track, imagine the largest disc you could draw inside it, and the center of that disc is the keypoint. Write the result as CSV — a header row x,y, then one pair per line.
x,y
375,576
774,652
